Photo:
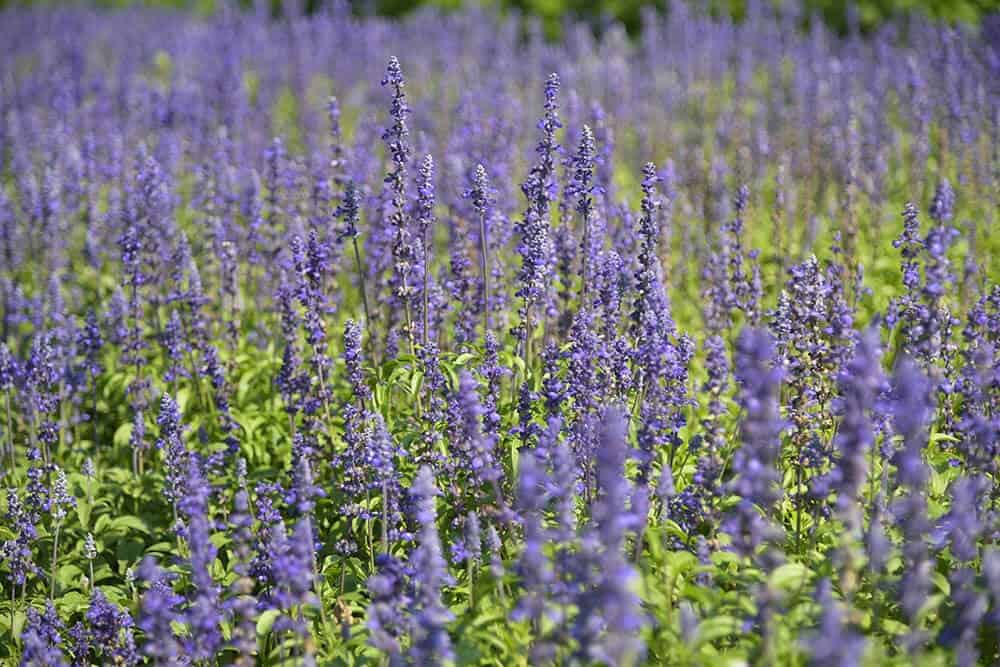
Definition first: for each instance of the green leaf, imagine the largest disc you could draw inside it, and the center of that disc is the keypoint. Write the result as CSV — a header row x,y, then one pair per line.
x,y
83,509
128,522
72,602
122,434
129,550
266,620
69,575
894,627
790,576
101,526
941,582
716,627
463,359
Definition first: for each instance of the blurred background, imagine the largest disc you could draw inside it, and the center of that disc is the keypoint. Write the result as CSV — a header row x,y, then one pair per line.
x,y
842,16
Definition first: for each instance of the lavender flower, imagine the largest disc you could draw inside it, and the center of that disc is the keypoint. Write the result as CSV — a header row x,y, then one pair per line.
x,y
8,368
535,246
41,643
293,563
350,211
834,644
396,138
495,548
756,482
942,207
475,449
861,383
171,444
60,500
159,607
583,188
911,409
610,614
354,360
425,220
110,630
89,547
646,276
481,195
533,566
242,604
203,613
964,526
16,552
493,372
431,643
390,605
926,320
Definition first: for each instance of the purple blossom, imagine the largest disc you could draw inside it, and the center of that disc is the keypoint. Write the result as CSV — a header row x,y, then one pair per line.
x,y
41,641
834,644
756,482
535,246
610,614
861,383
242,605
533,566
911,408
158,609
111,631
354,360
396,138
431,643
389,608
292,560
202,614
647,274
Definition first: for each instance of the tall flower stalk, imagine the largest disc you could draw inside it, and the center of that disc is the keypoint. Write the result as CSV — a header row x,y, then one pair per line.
x,y
535,246
482,200
425,224
350,212
396,138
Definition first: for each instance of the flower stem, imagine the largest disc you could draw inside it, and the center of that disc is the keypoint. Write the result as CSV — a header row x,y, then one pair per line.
x,y
55,558
484,271
10,437
426,296
364,289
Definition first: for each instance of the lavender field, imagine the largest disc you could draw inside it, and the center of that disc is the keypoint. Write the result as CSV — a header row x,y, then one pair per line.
x,y
330,341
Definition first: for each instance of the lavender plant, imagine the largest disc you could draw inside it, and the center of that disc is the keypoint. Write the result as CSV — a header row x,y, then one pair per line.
x,y
641,367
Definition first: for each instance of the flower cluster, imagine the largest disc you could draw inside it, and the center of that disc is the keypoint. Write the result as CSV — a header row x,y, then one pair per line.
x,y
633,363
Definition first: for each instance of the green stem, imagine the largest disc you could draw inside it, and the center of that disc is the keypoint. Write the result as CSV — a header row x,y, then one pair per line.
x,y
63,418
470,565
426,296
326,400
385,517
368,533
798,505
55,558
483,269
364,290
409,321
10,437
319,597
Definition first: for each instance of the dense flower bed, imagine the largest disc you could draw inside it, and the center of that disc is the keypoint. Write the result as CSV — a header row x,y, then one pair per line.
x,y
680,351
